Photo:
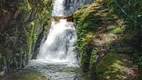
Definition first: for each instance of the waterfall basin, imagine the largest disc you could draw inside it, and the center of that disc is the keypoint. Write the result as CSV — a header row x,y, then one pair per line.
x,y
46,70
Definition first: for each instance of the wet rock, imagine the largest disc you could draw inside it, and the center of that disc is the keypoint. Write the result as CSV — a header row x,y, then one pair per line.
x,y
69,18
26,75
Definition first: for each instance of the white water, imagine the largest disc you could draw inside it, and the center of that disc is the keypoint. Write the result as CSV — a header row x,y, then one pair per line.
x,y
58,46
58,8
56,59
67,7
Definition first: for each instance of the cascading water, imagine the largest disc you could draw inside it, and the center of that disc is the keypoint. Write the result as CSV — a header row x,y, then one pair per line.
x,y
58,46
56,59
67,7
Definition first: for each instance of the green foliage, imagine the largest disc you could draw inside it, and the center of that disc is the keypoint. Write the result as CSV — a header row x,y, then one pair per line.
x,y
116,30
93,63
92,59
84,25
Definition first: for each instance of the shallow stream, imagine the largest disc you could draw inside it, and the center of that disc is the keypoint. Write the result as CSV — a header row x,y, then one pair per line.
x,y
45,70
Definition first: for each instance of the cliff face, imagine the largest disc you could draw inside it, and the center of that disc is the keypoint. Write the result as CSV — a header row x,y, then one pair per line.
x,y
23,24
105,39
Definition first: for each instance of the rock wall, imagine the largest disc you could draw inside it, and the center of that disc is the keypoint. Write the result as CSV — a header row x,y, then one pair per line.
x,y
23,24
103,52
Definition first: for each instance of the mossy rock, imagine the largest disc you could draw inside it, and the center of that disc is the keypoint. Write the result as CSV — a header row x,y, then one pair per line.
x,y
58,18
22,31
115,67
116,30
25,75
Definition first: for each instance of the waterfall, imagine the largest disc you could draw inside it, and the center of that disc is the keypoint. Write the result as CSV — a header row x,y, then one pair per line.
x,y
58,46
59,43
67,7
56,58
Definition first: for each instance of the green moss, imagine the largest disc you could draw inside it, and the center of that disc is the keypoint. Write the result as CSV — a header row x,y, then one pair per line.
x,y
85,22
85,61
24,6
92,66
111,66
93,56
29,21
116,30
26,75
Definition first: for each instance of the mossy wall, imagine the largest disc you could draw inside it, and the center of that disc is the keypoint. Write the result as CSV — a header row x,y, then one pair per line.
x,y
23,24
113,66
83,21
102,31
130,11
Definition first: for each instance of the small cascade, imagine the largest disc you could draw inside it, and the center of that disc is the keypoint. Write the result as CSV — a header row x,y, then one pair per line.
x,y
58,46
67,7
56,58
